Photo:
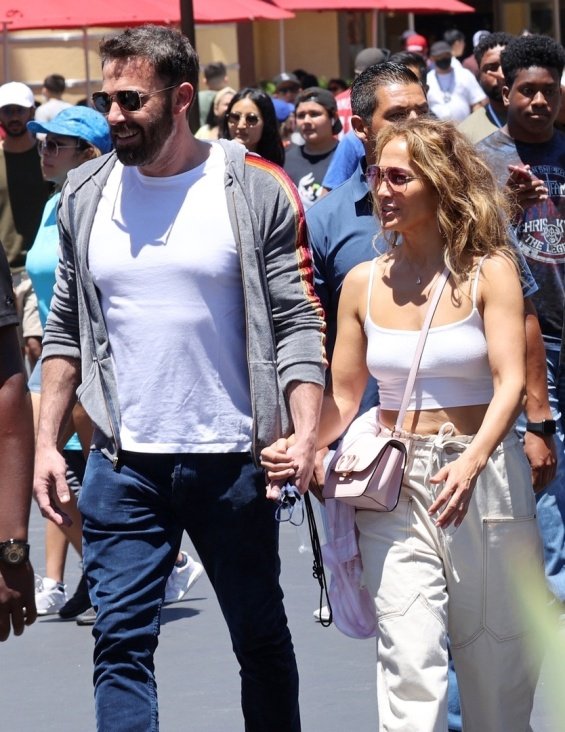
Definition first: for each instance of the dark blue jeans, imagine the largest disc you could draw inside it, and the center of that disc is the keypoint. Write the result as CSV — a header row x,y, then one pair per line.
x,y
133,524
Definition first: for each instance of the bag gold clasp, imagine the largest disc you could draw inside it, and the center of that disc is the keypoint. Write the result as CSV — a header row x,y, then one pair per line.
x,y
346,463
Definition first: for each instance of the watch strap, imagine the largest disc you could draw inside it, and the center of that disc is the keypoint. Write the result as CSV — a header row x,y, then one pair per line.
x,y
545,427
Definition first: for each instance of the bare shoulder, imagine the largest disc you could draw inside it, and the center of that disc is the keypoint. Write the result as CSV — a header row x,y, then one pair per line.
x,y
355,288
499,265
358,276
500,279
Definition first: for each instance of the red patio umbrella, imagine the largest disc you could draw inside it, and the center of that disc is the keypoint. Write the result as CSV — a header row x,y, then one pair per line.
x,y
37,14
401,6
34,14
216,11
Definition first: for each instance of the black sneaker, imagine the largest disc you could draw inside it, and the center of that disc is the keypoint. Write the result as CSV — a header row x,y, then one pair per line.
x,y
79,602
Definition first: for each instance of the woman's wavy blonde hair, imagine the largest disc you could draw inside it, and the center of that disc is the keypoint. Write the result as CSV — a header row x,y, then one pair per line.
x,y
472,212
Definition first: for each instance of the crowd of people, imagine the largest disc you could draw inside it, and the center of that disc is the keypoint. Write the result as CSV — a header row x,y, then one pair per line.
x,y
274,269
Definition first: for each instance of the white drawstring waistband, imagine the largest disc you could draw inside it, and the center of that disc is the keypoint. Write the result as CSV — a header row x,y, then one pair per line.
x,y
443,441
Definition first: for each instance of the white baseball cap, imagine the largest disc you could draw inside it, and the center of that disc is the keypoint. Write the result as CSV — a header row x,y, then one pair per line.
x,y
14,92
478,37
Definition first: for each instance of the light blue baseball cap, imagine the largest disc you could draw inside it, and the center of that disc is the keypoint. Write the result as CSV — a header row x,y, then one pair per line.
x,y
83,122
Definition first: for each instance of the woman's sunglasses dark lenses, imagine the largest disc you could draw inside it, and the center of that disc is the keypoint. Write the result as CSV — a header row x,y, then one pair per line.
x,y
249,119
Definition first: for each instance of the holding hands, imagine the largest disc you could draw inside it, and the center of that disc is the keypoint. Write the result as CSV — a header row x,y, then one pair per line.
x,y
280,466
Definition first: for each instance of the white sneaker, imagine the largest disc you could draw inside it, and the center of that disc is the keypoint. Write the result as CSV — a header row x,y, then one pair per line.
x,y
323,614
181,579
50,596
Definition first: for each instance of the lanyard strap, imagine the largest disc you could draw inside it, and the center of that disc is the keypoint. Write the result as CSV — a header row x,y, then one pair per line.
x,y
318,563
495,118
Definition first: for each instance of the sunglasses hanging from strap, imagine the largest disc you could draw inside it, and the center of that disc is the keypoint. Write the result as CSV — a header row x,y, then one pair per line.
x,y
318,562
290,508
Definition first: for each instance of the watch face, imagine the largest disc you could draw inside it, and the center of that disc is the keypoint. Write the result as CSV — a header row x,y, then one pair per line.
x,y
14,553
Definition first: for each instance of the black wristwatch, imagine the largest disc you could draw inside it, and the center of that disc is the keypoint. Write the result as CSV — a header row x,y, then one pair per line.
x,y
545,427
14,552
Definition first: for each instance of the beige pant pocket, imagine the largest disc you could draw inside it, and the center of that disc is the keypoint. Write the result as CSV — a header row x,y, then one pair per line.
x,y
509,546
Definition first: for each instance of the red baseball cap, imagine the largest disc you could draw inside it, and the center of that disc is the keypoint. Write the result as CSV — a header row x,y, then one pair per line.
x,y
416,43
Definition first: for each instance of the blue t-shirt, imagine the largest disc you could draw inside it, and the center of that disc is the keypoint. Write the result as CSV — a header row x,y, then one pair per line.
x,y
343,232
41,263
346,158
541,228
42,258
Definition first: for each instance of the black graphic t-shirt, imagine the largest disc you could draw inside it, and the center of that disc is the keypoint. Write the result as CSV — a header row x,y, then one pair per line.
x,y
8,315
541,229
307,172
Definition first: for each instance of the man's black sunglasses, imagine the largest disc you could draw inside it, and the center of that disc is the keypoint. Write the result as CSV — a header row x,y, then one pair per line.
x,y
128,100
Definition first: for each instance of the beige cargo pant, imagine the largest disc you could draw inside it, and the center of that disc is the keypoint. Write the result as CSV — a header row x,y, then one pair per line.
x,y
427,583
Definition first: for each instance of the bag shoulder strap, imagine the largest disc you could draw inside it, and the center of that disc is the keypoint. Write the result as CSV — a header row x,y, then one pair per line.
x,y
420,349
476,281
370,286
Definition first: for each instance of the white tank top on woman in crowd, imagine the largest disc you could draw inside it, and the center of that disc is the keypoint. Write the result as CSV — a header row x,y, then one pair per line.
x,y
454,370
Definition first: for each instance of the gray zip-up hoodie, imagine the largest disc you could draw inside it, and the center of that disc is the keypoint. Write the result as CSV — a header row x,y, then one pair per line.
x,y
284,320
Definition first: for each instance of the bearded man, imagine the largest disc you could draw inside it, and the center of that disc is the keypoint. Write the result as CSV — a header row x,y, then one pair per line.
x,y
23,194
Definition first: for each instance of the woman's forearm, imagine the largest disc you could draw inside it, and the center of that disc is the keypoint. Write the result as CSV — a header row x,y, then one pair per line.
x,y
336,416
499,418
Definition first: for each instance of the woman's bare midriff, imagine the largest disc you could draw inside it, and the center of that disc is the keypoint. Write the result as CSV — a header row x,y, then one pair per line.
x,y
466,420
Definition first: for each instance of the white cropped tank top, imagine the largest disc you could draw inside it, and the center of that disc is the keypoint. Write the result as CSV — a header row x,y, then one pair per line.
x,y
454,370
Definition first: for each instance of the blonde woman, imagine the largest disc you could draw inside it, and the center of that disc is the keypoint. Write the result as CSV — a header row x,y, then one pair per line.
x,y
211,130
441,561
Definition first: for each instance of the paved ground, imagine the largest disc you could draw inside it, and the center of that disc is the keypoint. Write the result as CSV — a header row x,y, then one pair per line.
x,y
46,674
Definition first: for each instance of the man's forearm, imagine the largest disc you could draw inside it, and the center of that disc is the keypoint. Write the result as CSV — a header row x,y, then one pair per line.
x,y
540,449
537,400
16,457
60,378
305,401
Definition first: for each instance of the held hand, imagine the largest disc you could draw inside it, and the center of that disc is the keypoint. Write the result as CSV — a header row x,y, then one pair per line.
x,y
279,466
17,599
304,454
458,478
526,187
50,487
319,476
541,453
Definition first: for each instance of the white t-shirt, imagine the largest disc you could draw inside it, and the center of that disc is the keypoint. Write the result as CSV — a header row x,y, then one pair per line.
x,y
163,256
452,96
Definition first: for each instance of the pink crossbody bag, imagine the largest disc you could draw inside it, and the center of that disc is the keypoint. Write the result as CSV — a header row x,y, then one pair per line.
x,y
367,469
